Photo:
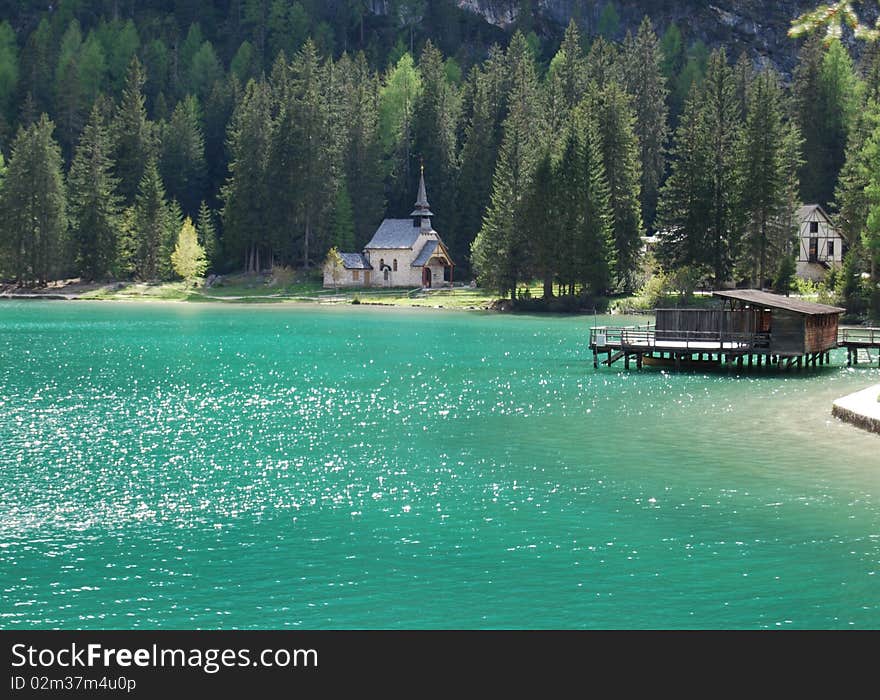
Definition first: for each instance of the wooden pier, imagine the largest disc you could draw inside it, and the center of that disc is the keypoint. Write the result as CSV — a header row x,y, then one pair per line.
x,y
752,329
859,343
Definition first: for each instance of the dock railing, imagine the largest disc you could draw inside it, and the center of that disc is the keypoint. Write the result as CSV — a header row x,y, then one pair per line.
x,y
647,337
859,336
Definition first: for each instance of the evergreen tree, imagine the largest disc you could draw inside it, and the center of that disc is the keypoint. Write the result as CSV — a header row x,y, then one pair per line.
x,y
485,92
207,234
299,159
94,205
246,192
542,216
643,77
133,134
722,123
188,259
397,101
826,96
152,220
620,158
850,196
602,65
182,156
499,252
684,209
769,160
33,206
343,220
435,118
361,147
9,70
566,82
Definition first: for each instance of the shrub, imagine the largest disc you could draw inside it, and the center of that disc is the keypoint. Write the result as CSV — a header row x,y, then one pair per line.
x,y
282,276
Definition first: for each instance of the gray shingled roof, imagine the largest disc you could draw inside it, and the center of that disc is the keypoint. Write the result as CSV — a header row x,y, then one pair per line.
x,y
426,253
355,261
395,233
776,301
806,210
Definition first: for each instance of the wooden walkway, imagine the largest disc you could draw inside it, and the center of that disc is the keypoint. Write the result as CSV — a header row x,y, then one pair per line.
x,y
859,344
647,345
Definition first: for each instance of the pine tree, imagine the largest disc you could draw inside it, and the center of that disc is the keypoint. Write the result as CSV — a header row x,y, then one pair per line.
x,y
435,118
182,156
361,148
207,234
722,123
850,197
499,252
133,134
769,160
620,158
188,259
592,252
397,100
566,82
542,216
246,192
643,77
33,206
94,205
343,221
485,93
152,219
9,70
826,93
684,208
299,159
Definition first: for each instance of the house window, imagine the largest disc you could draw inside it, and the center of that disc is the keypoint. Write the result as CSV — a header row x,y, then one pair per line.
x,y
355,275
381,263
831,249
814,227
395,264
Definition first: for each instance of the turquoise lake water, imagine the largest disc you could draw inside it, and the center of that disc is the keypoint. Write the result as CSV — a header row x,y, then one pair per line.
x,y
184,466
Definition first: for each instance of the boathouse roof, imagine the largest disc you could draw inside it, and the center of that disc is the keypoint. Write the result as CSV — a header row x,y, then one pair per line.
x,y
777,301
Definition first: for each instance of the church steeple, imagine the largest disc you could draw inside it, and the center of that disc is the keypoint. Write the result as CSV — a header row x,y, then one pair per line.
x,y
422,213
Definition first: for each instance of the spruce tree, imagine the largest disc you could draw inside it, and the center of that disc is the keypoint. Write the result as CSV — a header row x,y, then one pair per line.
x,y
566,81
361,147
485,97
435,118
620,158
246,192
684,210
152,220
643,77
133,134
722,123
398,97
182,156
769,159
94,205
207,234
343,221
498,253
33,206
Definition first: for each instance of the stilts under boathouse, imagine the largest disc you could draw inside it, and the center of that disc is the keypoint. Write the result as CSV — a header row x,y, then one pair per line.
x,y
751,327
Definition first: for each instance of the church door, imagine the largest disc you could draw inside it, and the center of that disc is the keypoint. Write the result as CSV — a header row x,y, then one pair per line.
x,y
426,276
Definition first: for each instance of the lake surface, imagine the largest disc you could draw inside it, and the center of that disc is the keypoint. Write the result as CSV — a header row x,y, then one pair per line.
x,y
184,466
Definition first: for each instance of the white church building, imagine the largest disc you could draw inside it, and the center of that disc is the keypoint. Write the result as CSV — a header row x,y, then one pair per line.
x,y
402,253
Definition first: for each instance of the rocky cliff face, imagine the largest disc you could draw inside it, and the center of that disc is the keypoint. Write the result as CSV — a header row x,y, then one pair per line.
x,y
755,26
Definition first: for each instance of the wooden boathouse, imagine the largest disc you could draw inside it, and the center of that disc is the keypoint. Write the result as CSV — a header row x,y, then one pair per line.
x,y
751,326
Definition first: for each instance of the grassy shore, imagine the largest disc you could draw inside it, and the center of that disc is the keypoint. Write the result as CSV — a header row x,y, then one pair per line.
x,y
268,290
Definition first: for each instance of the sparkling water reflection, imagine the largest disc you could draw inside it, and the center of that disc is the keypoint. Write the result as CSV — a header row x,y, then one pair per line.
x,y
202,467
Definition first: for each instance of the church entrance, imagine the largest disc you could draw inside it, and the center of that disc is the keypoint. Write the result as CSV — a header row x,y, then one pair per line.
x,y
426,276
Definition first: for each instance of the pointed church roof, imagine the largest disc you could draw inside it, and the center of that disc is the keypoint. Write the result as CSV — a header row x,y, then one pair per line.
x,y
422,206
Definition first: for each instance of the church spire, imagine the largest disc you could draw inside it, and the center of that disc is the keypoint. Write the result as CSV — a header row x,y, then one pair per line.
x,y
422,213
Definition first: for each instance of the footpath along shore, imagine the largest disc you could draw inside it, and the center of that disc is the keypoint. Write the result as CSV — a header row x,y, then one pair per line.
x,y
861,409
